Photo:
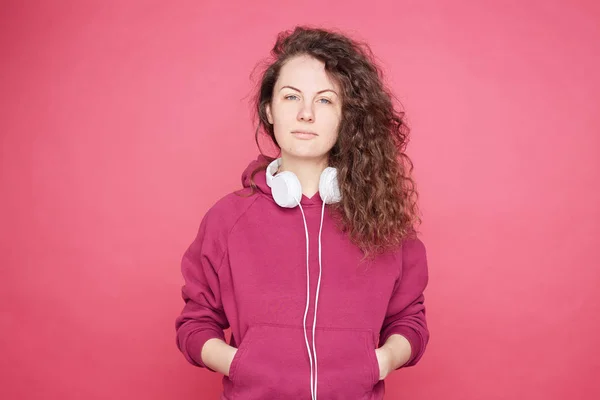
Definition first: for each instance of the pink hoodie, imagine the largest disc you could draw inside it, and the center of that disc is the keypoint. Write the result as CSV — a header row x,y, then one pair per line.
x,y
247,270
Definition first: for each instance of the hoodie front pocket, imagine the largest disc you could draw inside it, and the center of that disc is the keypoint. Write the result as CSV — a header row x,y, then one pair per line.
x,y
272,362
348,367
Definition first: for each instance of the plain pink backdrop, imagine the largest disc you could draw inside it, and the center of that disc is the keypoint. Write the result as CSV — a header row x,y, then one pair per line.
x,y
122,122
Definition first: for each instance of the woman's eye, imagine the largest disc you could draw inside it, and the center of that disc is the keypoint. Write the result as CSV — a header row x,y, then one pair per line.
x,y
325,101
291,97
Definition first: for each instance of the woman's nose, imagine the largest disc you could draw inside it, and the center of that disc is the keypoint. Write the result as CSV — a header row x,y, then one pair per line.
x,y
306,114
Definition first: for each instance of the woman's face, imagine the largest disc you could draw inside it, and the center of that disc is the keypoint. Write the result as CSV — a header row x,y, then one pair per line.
x,y
305,110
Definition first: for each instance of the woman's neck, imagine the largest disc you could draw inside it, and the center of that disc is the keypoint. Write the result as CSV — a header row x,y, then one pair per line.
x,y
308,172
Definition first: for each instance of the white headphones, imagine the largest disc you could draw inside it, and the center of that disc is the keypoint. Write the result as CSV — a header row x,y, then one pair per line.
x,y
287,191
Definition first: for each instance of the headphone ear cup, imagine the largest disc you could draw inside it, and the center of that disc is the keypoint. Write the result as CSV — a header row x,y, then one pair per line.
x,y
271,170
329,188
286,189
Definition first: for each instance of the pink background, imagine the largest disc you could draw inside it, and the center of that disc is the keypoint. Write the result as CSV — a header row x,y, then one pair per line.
x,y
122,122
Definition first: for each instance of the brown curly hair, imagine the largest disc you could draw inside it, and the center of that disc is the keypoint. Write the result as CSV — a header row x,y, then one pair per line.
x,y
379,196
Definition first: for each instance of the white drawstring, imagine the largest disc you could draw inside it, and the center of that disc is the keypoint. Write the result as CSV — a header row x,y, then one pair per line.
x,y
312,394
317,296
313,389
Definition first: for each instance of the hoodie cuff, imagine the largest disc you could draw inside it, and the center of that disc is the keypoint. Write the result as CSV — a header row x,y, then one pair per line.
x,y
196,341
413,338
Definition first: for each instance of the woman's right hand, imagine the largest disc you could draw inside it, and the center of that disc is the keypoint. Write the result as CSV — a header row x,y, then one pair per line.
x,y
218,355
231,359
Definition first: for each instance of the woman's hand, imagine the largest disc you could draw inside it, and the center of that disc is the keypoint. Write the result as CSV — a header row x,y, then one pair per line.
x,y
384,359
218,355
231,356
393,354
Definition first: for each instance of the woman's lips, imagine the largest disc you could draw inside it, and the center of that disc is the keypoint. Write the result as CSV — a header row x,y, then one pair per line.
x,y
304,135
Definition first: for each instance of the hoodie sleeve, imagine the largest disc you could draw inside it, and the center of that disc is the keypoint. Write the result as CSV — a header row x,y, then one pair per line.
x,y
406,310
202,317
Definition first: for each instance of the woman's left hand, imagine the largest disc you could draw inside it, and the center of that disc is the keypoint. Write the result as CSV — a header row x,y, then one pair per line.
x,y
384,359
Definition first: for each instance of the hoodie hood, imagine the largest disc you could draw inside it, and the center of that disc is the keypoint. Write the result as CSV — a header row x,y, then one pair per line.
x,y
260,180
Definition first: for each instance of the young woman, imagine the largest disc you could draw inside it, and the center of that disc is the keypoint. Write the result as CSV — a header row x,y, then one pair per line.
x,y
314,264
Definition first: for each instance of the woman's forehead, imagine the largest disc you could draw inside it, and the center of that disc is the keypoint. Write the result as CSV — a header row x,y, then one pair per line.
x,y
305,74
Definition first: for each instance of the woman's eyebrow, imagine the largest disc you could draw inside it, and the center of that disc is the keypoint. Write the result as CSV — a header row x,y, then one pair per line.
x,y
298,90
